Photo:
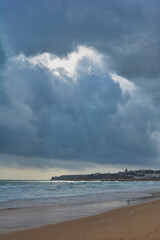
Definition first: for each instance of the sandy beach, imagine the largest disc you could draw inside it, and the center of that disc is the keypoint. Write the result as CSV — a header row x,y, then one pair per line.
x,y
135,222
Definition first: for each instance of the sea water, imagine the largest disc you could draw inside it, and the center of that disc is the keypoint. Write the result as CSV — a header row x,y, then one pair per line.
x,y
20,193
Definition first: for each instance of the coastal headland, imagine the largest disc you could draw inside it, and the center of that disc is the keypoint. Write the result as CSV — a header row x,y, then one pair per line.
x,y
139,222
131,175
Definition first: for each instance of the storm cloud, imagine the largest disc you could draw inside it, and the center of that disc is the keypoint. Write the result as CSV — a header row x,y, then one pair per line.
x,y
80,82
127,31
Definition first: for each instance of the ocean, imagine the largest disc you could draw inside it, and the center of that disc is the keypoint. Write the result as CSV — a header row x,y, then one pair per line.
x,y
20,193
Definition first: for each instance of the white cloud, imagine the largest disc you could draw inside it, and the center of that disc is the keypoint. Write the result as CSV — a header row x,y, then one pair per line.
x,y
69,64
125,84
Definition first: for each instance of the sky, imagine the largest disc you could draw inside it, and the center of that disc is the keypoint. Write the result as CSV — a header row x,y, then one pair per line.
x,y
80,86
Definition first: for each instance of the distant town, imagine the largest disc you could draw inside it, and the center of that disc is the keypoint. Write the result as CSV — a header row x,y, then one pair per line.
x,y
127,175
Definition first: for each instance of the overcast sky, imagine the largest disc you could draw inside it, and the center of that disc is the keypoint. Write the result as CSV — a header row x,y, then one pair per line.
x,y
80,86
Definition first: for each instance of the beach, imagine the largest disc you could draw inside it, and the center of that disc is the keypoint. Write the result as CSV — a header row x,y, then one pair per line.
x,y
137,222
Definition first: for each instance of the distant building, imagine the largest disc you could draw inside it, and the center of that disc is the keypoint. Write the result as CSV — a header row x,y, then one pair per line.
x,y
139,177
152,176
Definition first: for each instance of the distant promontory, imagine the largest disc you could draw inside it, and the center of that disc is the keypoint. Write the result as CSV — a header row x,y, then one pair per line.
x,y
131,175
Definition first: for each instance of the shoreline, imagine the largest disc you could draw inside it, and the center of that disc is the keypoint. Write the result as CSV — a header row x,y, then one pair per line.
x,y
141,221
18,219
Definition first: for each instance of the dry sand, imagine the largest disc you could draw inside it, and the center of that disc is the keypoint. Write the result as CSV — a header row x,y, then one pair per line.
x,y
129,223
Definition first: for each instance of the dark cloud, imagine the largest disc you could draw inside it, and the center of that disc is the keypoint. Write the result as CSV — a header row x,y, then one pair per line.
x,y
126,30
90,120
66,117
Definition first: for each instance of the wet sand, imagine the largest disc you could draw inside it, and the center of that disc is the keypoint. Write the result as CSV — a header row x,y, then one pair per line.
x,y
129,223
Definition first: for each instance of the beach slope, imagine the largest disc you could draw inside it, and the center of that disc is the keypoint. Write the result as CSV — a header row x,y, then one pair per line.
x,y
129,223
